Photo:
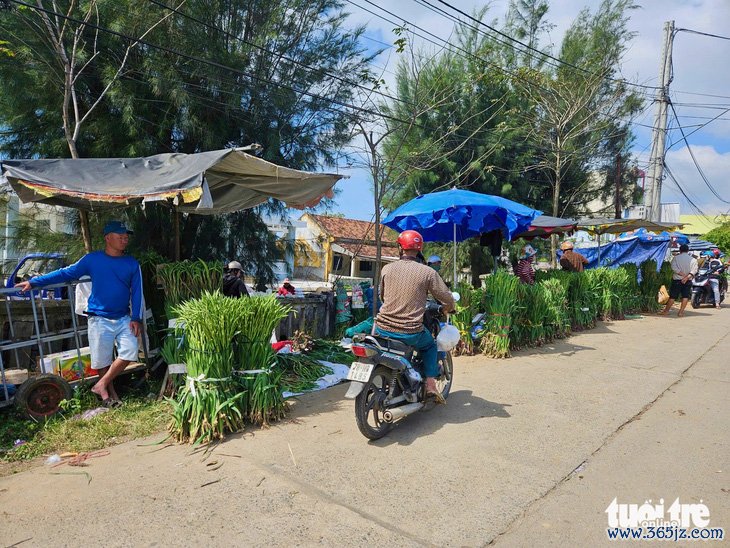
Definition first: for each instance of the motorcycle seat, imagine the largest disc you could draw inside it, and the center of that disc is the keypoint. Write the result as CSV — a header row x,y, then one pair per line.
x,y
392,345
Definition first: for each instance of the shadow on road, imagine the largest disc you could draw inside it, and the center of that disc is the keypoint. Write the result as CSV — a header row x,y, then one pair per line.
x,y
461,407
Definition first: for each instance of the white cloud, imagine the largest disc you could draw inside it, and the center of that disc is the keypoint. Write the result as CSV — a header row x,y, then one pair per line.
x,y
716,167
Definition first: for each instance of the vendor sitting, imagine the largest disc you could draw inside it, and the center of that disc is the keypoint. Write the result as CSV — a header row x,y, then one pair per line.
x,y
524,271
286,289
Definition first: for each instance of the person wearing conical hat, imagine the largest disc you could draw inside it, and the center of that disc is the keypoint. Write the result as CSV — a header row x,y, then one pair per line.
x,y
571,260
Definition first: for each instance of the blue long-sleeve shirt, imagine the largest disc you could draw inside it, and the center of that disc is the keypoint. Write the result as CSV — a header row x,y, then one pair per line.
x,y
116,282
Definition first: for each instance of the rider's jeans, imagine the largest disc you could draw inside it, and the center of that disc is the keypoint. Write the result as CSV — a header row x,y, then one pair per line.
x,y
715,283
423,342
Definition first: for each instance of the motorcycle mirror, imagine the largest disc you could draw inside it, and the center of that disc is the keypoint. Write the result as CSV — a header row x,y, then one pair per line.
x,y
456,296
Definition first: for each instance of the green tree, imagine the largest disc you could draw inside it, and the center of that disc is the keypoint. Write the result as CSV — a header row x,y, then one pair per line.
x,y
720,236
206,75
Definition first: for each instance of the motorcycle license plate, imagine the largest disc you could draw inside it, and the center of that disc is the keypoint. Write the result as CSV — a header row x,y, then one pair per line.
x,y
360,371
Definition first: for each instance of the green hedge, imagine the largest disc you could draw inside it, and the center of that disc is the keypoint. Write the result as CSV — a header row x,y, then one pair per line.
x,y
519,315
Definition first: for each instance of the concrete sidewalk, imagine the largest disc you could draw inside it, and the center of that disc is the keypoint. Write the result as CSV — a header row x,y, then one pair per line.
x,y
497,462
677,447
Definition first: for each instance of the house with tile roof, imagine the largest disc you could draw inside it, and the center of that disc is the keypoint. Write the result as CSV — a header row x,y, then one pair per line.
x,y
328,248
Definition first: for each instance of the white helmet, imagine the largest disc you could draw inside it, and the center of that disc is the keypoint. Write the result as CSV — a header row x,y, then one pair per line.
x,y
434,259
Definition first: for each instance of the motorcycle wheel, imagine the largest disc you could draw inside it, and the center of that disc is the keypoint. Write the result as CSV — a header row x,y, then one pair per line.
x,y
696,300
444,381
369,404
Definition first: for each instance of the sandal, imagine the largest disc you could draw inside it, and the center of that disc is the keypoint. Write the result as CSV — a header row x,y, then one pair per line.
x,y
111,404
436,396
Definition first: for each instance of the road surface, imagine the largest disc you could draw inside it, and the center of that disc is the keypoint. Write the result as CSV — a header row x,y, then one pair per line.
x,y
528,451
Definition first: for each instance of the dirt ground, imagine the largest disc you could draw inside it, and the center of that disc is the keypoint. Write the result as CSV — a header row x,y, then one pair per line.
x,y
528,451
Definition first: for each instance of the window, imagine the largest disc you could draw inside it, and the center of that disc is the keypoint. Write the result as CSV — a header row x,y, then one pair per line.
x,y
366,266
337,262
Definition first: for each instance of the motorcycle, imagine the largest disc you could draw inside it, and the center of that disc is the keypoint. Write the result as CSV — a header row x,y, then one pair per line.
x,y
702,289
387,380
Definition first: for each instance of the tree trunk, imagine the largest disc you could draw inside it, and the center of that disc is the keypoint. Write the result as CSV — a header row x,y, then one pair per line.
x,y
176,220
83,215
556,206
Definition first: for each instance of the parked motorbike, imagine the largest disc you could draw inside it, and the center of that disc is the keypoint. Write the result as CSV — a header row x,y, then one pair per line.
x,y
702,289
387,380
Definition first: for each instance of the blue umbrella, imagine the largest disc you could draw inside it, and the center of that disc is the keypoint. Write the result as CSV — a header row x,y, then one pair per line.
x,y
456,215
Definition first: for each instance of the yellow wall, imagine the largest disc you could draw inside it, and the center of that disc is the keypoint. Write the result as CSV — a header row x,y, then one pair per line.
x,y
699,224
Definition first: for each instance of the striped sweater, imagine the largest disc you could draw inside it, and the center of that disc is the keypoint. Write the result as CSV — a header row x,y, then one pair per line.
x,y
404,288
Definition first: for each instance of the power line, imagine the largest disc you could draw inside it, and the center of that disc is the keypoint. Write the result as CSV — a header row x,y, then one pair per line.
x,y
668,171
690,31
709,106
686,116
227,68
270,52
443,43
212,63
451,47
718,117
694,159
701,94
561,61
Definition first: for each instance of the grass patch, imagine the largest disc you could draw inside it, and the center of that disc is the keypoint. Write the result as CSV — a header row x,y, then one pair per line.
x,y
139,417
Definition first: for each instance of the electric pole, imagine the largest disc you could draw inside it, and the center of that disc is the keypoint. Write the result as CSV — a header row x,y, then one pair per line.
x,y
656,162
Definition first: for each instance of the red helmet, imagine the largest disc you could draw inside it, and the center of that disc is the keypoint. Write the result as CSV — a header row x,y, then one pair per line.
x,y
716,252
410,239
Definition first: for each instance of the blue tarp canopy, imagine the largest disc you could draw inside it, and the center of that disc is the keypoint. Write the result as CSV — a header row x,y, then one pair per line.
x,y
635,250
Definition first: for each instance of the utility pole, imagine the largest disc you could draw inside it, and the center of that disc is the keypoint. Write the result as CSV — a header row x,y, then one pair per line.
x,y
656,162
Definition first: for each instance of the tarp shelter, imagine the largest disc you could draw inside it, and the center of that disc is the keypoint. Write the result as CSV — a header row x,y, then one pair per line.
x,y
617,226
633,250
701,245
545,225
219,181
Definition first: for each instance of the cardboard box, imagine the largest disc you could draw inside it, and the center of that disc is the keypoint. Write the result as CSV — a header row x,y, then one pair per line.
x,y
15,376
67,364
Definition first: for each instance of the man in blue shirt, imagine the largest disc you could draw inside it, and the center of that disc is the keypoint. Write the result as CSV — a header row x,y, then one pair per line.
x,y
115,306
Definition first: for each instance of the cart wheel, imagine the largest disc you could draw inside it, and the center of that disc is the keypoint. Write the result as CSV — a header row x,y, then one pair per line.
x,y
39,397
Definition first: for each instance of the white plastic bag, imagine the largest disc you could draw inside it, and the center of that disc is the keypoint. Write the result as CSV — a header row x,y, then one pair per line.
x,y
447,338
83,292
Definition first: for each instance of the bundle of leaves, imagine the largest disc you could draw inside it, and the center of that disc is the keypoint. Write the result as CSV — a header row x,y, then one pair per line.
x,y
330,351
611,288
299,372
468,306
557,319
224,335
581,295
187,280
529,317
632,291
499,302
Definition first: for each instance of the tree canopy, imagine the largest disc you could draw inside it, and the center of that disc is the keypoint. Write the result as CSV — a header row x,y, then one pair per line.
x,y
157,76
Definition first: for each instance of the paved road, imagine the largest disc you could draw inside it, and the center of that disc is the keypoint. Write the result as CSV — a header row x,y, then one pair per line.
x,y
528,452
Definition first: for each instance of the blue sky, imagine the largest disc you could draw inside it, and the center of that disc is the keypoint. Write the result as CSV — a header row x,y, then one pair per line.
x,y
700,69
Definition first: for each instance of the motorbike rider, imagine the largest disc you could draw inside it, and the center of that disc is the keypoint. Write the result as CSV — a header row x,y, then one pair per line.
x,y
404,289
717,273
